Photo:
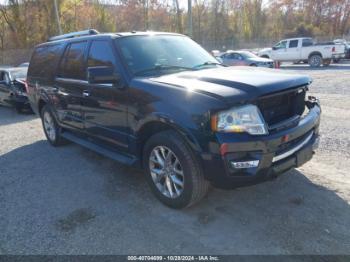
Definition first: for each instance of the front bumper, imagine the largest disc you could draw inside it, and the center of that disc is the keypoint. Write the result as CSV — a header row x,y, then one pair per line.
x,y
275,153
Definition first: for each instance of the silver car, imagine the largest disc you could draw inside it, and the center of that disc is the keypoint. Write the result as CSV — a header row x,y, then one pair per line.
x,y
244,58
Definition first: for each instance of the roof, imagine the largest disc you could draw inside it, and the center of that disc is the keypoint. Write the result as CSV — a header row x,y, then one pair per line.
x,y
13,69
91,33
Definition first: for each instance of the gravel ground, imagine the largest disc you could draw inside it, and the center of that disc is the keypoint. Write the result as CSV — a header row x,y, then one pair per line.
x,y
69,200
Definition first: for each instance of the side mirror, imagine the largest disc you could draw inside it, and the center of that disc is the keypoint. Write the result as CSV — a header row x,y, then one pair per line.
x,y
274,48
102,75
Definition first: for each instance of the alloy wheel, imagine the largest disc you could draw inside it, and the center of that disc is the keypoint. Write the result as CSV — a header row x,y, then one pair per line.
x,y
166,171
315,60
49,126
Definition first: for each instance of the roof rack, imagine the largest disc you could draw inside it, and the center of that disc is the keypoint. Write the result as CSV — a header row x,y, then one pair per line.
x,y
74,34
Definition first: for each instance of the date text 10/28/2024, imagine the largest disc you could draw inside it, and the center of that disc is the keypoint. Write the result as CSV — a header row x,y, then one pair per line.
x,y
173,258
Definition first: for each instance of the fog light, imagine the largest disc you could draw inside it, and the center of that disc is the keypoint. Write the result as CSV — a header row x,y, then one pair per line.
x,y
245,164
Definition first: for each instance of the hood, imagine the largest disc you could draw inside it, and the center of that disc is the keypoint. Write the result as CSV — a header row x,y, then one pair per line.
x,y
260,60
234,84
20,80
265,50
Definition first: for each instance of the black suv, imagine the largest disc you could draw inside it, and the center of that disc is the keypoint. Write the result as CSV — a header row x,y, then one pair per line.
x,y
159,101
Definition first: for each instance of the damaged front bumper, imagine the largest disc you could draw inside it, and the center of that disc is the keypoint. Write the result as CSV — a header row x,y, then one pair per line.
x,y
251,159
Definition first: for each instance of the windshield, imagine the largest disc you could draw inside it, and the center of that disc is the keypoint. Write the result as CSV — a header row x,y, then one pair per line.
x,y
281,45
163,54
18,73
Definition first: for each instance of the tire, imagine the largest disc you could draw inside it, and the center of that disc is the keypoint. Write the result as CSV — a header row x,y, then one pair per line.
x,y
336,60
51,129
170,146
315,60
253,65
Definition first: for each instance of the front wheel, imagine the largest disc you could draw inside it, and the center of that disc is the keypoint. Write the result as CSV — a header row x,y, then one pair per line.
x,y
51,129
173,172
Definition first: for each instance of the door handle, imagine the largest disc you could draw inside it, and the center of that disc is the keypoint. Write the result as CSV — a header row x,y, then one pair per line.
x,y
86,93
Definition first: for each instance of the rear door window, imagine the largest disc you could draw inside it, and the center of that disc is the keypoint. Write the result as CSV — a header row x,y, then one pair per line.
x,y
238,57
73,62
307,42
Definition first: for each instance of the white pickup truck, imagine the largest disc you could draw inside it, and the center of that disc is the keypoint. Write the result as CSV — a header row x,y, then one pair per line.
x,y
303,49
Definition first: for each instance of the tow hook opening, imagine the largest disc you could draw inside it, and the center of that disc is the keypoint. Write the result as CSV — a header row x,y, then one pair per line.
x,y
311,102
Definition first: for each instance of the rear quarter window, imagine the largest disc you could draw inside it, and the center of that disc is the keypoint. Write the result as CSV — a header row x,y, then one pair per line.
x,y
44,61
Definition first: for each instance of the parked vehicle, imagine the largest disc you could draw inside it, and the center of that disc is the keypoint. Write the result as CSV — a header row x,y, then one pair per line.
x,y
303,49
25,64
12,88
244,58
161,102
346,46
215,53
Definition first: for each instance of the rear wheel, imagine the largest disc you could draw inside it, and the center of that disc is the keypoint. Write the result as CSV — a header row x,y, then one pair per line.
x,y
315,60
51,129
173,171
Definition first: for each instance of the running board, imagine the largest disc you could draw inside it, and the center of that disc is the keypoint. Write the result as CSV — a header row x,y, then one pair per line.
x,y
127,160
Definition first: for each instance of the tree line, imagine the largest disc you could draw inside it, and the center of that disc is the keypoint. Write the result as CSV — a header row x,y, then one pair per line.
x,y
216,23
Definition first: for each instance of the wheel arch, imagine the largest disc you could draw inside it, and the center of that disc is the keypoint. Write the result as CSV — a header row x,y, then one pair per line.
x,y
315,53
155,126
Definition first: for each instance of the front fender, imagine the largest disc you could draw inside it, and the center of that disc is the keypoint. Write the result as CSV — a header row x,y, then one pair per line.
x,y
186,131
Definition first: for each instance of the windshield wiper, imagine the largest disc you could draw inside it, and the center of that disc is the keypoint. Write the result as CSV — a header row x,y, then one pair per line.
x,y
207,63
162,67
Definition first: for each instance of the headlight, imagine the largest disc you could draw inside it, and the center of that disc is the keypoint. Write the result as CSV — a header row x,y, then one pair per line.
x,y
240,119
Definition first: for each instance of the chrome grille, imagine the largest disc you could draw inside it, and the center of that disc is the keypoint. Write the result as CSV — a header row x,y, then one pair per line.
x,y
280,107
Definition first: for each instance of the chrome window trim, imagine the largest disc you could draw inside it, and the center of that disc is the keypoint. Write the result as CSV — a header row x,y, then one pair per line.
x,y
79,81
71,80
